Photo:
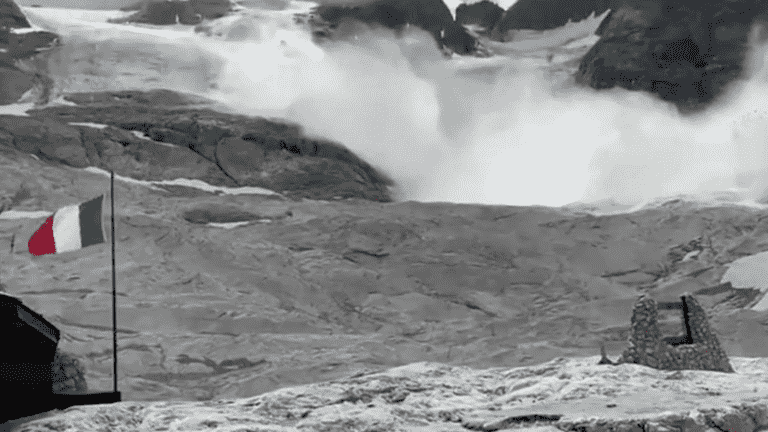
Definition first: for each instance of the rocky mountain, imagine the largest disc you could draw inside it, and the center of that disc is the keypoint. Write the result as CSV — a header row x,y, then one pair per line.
x,y
297,296
187,12
484,14
685,53
432,16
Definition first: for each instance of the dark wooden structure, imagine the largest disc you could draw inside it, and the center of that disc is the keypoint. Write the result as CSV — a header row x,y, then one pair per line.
x,y
28,347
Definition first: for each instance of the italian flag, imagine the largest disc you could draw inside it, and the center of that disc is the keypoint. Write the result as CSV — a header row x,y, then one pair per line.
x,y
70,228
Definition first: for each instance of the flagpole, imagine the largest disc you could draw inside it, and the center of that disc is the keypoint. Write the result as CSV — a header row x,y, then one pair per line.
x,y
114,284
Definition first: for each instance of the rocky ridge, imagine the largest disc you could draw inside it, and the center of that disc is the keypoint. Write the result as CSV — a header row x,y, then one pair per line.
x,y
151,137
686,54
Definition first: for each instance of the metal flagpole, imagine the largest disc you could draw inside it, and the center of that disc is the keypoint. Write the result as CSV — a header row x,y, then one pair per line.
x,y
114,284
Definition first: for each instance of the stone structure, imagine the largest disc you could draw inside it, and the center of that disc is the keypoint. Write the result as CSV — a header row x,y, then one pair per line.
x,y
699,349
68,375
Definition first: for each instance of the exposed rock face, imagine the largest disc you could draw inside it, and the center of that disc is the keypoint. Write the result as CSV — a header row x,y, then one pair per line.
x,y
47,139
68,375
13,84
11,16
646,347
430,15
484,14
187,12
685,53
220,149
15,78
548,14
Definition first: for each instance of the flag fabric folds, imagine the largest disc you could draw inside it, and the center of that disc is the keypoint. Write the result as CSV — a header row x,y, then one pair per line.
x,y
69,228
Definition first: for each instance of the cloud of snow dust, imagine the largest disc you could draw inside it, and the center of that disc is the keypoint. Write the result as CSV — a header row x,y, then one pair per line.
x,y
500,131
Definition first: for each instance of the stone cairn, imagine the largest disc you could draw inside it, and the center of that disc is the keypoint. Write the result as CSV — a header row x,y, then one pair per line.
x,y
68,375
702,351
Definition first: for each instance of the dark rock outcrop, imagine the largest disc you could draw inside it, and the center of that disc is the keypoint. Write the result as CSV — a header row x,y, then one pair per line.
x,y
13,84
432,16
184,142
484,14
188,12
11,16
548,14
16,79
686,54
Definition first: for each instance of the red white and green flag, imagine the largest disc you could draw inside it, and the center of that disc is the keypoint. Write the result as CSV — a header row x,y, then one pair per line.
x,y
70,228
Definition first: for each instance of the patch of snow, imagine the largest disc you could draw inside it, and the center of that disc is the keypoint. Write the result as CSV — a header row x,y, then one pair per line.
x,y
93,125
140,134
17,109
20,214
749,272
193,183
25,30
60,101
761,305
228,225
690,255
121,178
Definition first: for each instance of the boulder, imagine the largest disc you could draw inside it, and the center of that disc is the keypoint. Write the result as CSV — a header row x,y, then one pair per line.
x,y
484,14
432,16
548,14
686,54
